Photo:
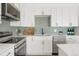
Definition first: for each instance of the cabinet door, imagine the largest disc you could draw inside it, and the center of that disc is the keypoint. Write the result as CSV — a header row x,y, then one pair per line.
x,y
0,12
66,19
72,40
74,16
22,15
43,11
53,18
27,16
59,17
34,45
47,45
47,11
38,47
30,17
38,11
29,43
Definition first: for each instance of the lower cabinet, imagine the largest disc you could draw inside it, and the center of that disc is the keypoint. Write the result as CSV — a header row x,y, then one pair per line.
x,y
47,45
72,39
39,45
34,45
8,52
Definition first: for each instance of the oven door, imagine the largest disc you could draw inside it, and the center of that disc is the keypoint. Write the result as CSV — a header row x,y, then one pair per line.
x,y
20,50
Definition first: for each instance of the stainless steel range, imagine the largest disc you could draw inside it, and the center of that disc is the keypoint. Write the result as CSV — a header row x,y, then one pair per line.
x,y
20,42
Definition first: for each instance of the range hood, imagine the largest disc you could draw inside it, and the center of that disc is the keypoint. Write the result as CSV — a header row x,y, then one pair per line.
x,y
9,12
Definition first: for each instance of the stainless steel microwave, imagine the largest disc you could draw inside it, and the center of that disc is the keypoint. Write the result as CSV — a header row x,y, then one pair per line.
x,y
9,11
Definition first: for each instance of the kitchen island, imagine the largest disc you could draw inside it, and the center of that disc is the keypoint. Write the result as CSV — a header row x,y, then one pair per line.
x,y
68,49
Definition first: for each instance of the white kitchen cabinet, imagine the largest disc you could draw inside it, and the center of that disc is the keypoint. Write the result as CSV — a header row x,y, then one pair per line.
x,y
43,11
47,45
47,11
59,16
70,16
27,16
54,18
8,52
72,39
73,16
0,13
39,45
34,45
66,17
39,11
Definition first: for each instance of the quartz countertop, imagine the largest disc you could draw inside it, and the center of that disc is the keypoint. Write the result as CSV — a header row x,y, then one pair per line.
x,y
4,47
19,36
69,49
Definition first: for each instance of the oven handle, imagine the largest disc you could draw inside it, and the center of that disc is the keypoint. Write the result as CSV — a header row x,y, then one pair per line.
x,y
20,47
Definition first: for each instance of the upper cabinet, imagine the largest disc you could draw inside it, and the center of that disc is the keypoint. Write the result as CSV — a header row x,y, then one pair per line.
x,y
74,16
27,16
54,18
0,13
70,16
42,11
59,17
65,17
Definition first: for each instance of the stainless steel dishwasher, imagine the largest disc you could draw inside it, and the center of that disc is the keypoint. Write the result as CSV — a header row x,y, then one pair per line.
x,y
60,39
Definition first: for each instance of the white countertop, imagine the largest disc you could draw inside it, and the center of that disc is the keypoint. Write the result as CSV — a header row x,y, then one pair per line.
x,y
4,47
19,36
70,49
